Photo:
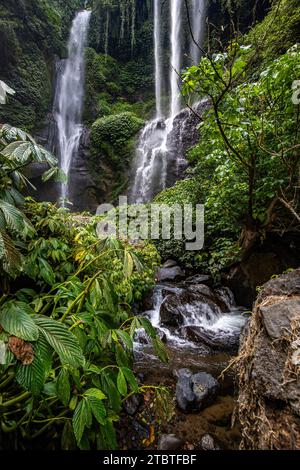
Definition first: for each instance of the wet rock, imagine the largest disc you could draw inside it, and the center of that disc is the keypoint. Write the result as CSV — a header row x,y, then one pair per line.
x,y
170,263
162,335
131,405
196,300
195,391
200,279
269,387
214,340
274,256
277,318
169,274
208,443
170,442
171,311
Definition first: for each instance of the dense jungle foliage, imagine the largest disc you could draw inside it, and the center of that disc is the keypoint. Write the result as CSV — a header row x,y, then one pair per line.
x,y
68,299
245,169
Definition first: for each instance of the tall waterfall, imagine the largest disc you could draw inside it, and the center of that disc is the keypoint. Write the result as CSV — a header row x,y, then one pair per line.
x,y
69,97
159,154
197,23
175,56
158,58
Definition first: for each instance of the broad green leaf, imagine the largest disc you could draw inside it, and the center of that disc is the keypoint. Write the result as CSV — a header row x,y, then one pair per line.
x,y
98,408
121,383
128,264
130,379
95,392
160,349
15,319
82,418
125,338
33,376
111,391
63,386
64,343
146,324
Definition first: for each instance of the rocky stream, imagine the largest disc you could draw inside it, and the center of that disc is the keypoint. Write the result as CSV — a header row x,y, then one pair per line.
x,y
200,325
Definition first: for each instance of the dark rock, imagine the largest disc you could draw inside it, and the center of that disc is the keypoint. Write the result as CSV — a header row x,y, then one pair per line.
x,y
131,405
268,385
170,263
207,443
162,335
285,285
171,311
195,392
205,388
170,442
277,317
169,274
214,340
200,279
197,299
274,256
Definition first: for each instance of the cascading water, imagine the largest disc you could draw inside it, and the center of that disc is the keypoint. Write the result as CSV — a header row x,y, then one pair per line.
x,y
197,16
158,58
176,6
197,315
159,157
69,97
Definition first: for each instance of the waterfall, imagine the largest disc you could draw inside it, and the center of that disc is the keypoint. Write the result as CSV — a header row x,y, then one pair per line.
x,y
175,56
69,97
197,23
158,58
159,155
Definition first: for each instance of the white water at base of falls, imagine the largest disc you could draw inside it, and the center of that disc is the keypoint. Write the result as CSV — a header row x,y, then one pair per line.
x,y
224,325
69,97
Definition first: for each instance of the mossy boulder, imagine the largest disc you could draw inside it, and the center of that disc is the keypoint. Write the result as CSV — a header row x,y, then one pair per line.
x,y
115,130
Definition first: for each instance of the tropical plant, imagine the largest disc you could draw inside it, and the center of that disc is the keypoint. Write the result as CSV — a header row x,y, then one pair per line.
x,y
17,150
67,343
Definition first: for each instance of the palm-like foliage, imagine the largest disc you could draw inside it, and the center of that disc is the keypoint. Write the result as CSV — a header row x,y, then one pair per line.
x,y
17,150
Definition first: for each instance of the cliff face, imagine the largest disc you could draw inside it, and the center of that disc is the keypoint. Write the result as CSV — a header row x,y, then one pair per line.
x,y
32,33
268,368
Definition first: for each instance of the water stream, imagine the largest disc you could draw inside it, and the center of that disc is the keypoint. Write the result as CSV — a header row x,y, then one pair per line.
x,y
158,161
69,97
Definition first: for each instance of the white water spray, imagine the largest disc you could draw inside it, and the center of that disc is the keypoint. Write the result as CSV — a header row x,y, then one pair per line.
x,y
175,40
197,24
70,95
158,58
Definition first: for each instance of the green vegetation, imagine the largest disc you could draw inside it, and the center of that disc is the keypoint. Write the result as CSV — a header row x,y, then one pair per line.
x,y
67,296
31,33
66,336
246,167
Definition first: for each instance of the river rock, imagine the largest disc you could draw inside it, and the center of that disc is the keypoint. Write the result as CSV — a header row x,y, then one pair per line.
x,y
194,300
267,372
169,274
131,405
214,340
274,256
170,442
277,317
195,391
207,443
170,263
200,279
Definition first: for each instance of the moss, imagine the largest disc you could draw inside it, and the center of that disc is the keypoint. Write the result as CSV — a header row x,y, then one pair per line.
x,y
115,131
31,34
278,31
